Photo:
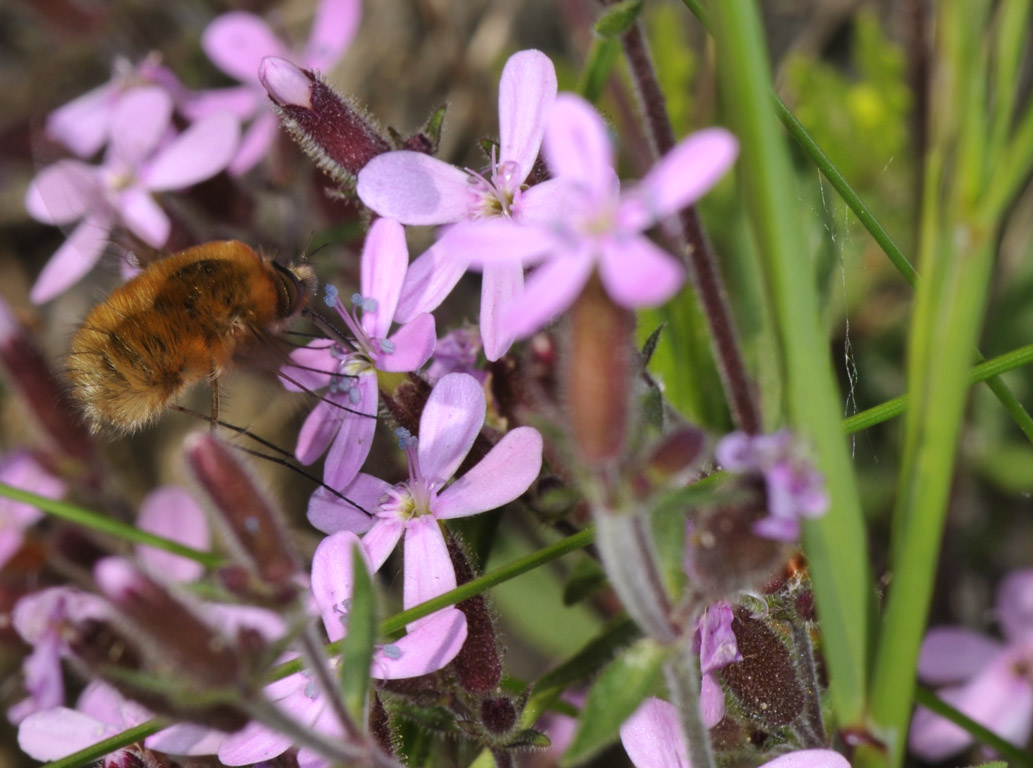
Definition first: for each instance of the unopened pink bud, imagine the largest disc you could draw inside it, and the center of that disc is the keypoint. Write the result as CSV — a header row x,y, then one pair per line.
x,y
286,83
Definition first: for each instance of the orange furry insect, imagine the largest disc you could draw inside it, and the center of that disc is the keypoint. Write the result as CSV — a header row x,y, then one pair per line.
x,y
184,319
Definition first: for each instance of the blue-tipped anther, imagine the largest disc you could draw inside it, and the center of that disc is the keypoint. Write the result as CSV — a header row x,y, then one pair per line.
x,y
330,295
403,436
387,346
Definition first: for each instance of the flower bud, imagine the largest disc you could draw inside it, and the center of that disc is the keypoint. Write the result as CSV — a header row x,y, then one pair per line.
x,y
478,666
259,541
28,373
338,136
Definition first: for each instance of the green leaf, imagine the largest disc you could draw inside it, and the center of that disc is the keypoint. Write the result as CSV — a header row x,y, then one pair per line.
x,y
618,18
614,697
601,58
357,649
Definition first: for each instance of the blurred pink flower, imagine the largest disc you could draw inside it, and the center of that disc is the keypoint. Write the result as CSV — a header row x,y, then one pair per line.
x,y
795,489
986,679
84,125
451,421
581,222
418,189
236,42
144,156
345,419
431,643
101,712
22,471
652,738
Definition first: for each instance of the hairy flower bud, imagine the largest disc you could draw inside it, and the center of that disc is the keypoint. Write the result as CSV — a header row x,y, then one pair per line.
x,y
478,667
337,135
254,532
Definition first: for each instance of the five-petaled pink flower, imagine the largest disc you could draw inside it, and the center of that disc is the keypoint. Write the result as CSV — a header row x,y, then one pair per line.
x,y
586,223
236,42
431,643
419,190
345,418
990,681
144,156
449,425
21,470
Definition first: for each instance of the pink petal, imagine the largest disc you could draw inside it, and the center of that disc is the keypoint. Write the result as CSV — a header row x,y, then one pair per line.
x,y
200,152
636,273
141,214
998,698
450,423
428,568
578,147
333,580
21,470
953,654
527,91
82,124
681,177
432,643
240,100
237,41
489,240
74,259
382,539
544,203
186,739
1015,604
652,737
355,437
414,188
413,344
36,733
11,540
101,702
809,758
428,281
549,290
310,366
63,192
330,513
231,620
385,259
255,144
139,121
173,513
320,428
502,475
500,283
332,31
711,701
254,743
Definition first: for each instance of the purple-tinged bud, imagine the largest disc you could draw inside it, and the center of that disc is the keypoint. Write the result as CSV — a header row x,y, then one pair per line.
x,y
178,642
254,532
28,373
597,372
675,460
765,681
380,725
337,135
498,715
478,666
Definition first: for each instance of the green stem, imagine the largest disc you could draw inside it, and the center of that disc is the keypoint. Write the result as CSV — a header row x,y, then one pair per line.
x,y
103,524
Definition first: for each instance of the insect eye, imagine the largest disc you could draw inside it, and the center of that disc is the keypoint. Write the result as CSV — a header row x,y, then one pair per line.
x,y
297,284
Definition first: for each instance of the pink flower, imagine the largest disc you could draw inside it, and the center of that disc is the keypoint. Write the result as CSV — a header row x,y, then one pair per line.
x,y
986,679
84,125
652,738
418,189
101,712
583,222
144,156
449,425
171,512
456,352
346,418
795,489
236,43
22,471
717,647
431,643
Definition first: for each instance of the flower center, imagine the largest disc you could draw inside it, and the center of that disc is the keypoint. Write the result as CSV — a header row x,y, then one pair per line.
x,y
410,499
496,195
